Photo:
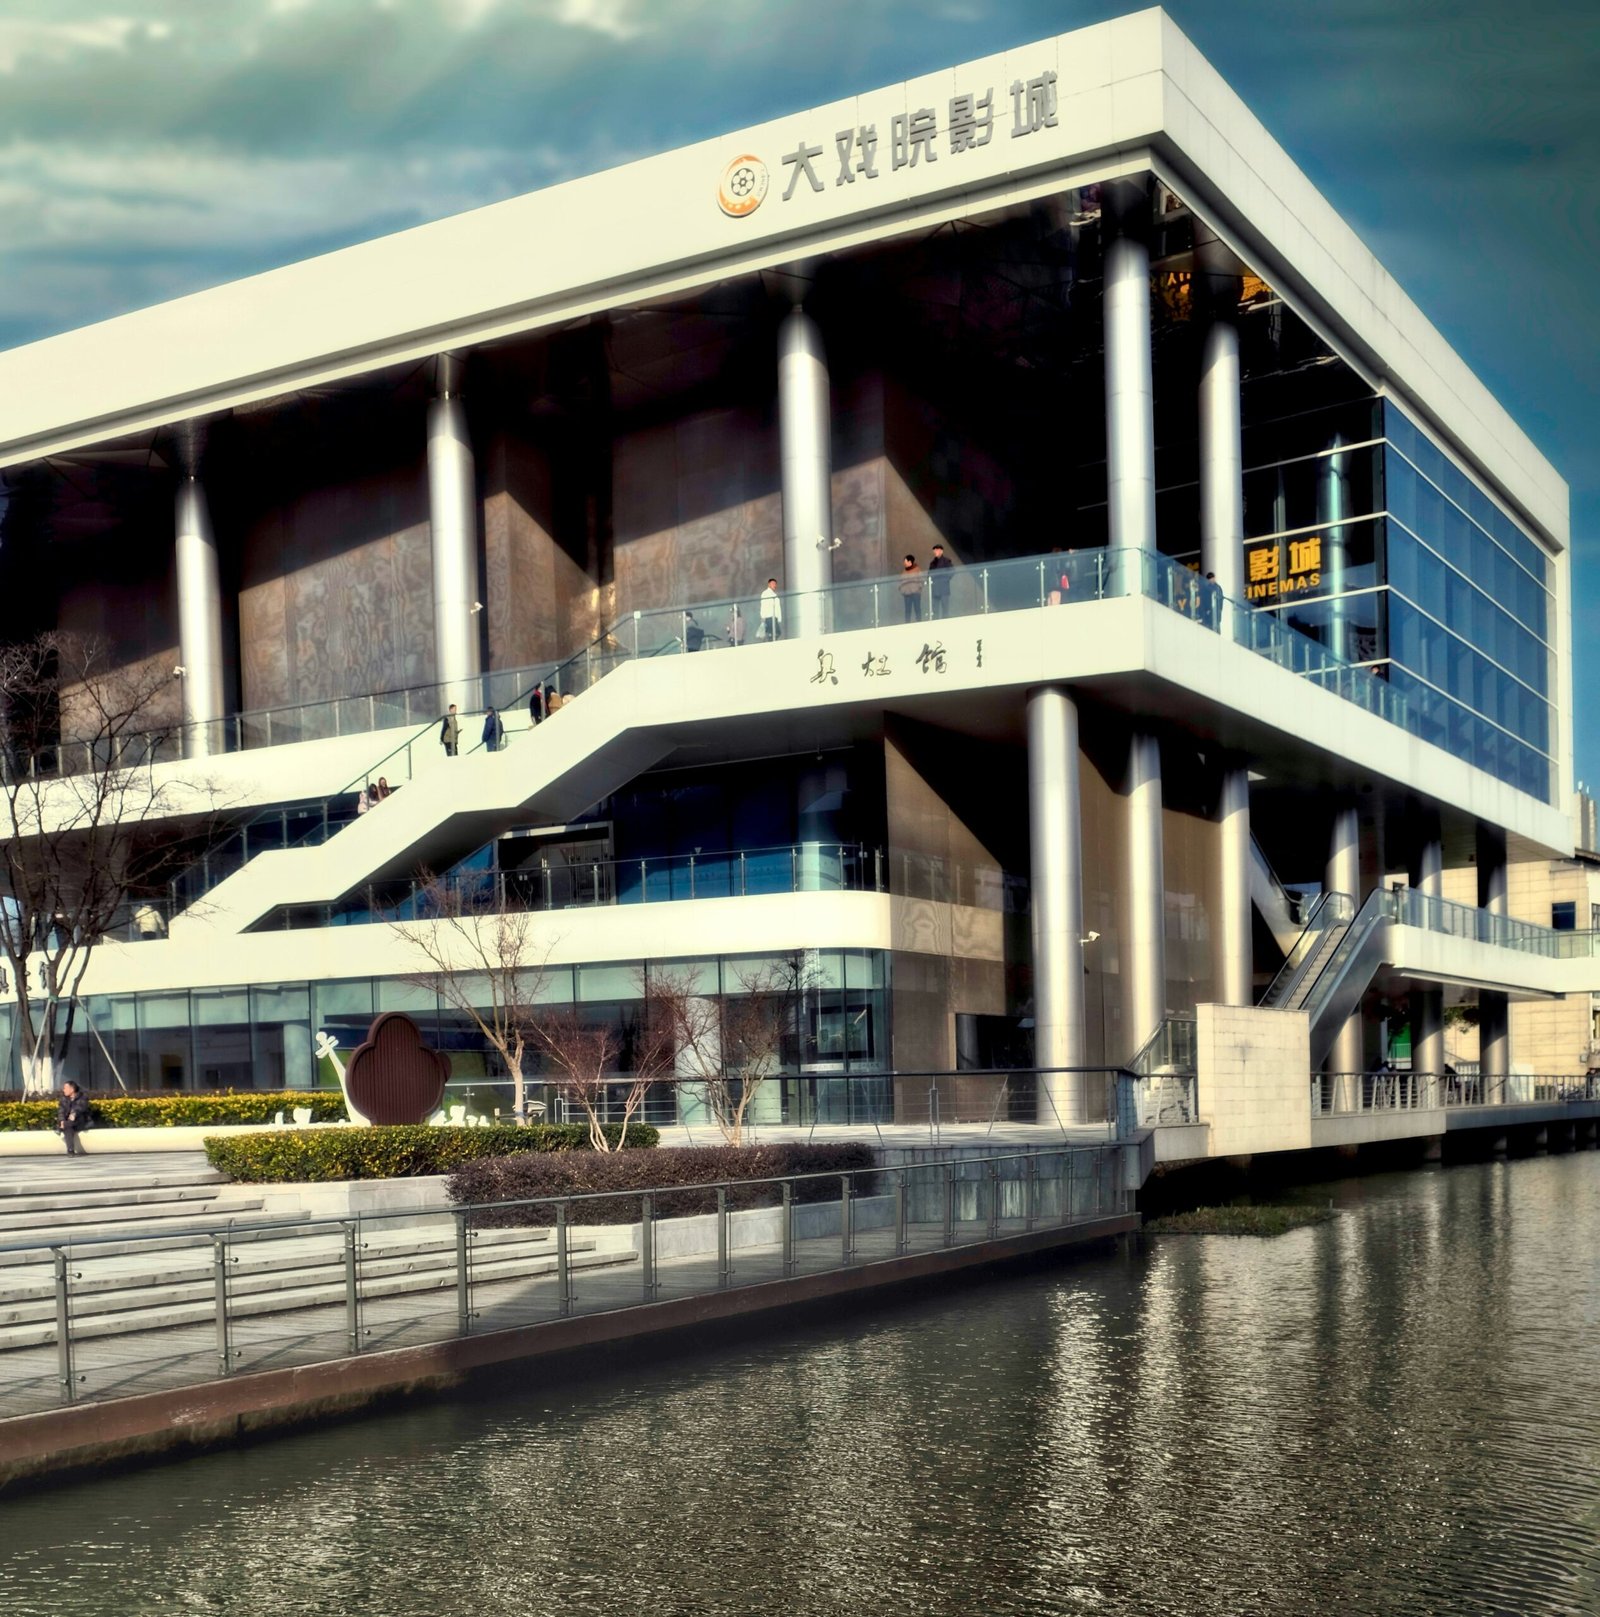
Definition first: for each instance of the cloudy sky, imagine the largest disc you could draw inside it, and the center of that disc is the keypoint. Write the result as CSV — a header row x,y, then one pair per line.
x,y
152,147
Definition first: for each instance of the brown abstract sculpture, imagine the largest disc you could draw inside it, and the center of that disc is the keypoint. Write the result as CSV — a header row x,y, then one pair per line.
x,y
394,1077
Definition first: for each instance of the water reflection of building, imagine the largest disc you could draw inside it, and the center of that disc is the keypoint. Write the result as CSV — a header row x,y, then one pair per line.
x,y
1084,325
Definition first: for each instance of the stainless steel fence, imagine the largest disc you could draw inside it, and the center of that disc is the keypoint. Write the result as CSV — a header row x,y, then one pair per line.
x,y
104,1317
1341,1094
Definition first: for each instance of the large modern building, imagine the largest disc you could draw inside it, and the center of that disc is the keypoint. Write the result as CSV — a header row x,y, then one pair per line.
x,y
1257,621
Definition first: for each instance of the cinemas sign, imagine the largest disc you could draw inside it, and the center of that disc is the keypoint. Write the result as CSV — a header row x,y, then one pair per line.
x,y
1280,567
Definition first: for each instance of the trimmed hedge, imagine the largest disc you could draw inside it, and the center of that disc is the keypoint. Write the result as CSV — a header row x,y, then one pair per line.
x,y
402,1151
158,1110
697,1168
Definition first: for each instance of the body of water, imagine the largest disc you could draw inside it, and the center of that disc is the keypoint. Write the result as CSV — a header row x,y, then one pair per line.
x,y
1395,1412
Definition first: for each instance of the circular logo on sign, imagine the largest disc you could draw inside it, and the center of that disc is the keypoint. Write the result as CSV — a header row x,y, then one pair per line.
x,y
743,185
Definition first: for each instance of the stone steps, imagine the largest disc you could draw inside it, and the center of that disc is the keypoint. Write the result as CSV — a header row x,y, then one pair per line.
x,y
159,1209
270,1280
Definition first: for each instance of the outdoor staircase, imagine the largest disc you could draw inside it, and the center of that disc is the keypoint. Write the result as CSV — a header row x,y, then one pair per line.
x,y
126,1288
164,1201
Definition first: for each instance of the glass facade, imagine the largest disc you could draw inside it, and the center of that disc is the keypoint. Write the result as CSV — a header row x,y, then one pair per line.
x,y
1367,538
261,1037
1470,614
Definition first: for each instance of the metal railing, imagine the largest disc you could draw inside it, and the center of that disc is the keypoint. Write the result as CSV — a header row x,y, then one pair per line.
x,y
1408,907
1060,579
1344,1094
113,1316
804,867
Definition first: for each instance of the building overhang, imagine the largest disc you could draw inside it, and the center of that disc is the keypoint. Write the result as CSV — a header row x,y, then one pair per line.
x,y
1130,94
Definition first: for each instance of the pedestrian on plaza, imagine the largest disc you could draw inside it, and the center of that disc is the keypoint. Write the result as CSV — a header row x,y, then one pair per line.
x,y
939,581
450,732
72,1118
771,607
911,590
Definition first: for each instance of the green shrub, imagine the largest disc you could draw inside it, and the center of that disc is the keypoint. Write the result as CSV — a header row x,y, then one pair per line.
x,y
316,1156
698,1169
163,1110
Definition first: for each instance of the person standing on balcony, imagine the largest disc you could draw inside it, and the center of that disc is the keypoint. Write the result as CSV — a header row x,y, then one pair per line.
x,y
771,612
939,582
694,637
736,625
536,705
911,590
450,732
494,732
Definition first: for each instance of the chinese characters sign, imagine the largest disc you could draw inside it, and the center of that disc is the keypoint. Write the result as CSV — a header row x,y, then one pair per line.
x,y
1281,567
863,153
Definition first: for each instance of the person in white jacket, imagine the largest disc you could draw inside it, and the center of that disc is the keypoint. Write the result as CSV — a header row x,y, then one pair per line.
x,y
771,612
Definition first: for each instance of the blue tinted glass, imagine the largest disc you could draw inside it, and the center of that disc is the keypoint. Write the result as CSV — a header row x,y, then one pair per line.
x,y
1399,430
1430,583
1427,459
1400,489
1480,507
1402,561
1457,603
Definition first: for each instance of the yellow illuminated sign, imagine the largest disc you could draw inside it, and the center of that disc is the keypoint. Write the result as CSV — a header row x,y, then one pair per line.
x,y
1282,567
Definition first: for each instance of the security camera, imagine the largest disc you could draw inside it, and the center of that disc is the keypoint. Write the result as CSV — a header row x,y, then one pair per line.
x,y
179,671
477,606
1091,938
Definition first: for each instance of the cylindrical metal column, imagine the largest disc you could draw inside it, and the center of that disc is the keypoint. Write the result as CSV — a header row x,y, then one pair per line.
x,y
453,514
1055,841
1145,958
1494,1010
199,620
1344,876
1221,460
805,460
1427,1030
1492,893
1130,412
1235,961
1333,507
1426,870
1494,1040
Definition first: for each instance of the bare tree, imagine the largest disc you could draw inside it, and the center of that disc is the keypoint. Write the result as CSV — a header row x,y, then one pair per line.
x,y
92,828
732,1045
587,1057
483,960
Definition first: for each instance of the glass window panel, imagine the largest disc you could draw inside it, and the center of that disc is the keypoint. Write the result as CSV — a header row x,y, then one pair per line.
x,y
555,987
1400,489
222,1054
1402,561
281,1015
597,983
165,1055
1399,430
394,994
694,976
1431,583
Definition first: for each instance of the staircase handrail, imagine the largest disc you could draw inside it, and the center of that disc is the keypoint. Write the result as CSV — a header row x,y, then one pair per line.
x,y
1327,910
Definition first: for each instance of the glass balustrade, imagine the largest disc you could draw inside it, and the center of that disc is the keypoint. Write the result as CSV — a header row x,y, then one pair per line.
x,y
1057,580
